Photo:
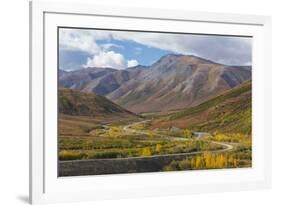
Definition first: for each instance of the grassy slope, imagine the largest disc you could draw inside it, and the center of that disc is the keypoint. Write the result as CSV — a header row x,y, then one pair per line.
x,y
229,112
74,102
79,112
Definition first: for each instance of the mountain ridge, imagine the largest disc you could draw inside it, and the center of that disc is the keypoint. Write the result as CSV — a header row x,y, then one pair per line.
x,y
173,82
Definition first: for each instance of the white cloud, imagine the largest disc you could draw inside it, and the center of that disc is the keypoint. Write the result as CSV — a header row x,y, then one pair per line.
x,y
222,49
132,63
80,40
228,50
108,46
108,59
84,40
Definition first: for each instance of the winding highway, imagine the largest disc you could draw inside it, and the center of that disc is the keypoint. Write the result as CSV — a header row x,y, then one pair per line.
x,y
199,135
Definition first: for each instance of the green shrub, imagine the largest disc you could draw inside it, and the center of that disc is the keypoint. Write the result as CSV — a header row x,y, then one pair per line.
x,y
69,155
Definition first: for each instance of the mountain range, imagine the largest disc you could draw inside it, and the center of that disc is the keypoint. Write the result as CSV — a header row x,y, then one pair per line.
x,y
174,82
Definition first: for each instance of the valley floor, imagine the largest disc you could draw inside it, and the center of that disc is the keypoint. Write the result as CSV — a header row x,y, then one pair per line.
x,y
90,147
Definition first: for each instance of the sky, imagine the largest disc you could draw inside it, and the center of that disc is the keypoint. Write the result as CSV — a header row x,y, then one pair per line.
x,y
82,48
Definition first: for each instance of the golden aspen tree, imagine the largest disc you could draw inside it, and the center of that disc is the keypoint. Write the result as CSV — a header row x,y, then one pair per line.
x,y
187,133
158,147
208,160
193,163
214,162
146,151
198,163
235,163
220,161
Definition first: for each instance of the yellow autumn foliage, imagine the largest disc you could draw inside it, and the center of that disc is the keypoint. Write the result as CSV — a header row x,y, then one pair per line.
x,y
146,151
158,148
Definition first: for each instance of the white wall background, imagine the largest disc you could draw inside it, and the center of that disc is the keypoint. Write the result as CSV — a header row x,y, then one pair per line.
x,y
14,100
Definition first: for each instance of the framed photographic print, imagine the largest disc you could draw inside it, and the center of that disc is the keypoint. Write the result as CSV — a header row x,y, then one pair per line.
x,y
128,102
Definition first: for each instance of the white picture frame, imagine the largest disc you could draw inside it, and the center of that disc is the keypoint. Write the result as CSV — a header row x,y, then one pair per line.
x,y
46,186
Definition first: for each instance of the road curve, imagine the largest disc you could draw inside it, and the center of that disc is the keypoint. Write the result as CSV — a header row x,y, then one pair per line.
x,y
227,147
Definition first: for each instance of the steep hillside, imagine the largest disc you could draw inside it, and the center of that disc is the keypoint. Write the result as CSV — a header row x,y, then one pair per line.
x,y
111,81
76,103
228,112
177,82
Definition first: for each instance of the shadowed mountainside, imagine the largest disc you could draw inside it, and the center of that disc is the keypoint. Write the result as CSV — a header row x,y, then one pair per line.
x,y
80,112
77,103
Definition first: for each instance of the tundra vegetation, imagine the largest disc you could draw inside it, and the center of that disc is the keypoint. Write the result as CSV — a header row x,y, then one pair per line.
x,y
115,142
88,130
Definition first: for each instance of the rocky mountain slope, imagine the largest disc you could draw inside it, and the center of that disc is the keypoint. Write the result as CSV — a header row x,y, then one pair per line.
x,y
173,82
